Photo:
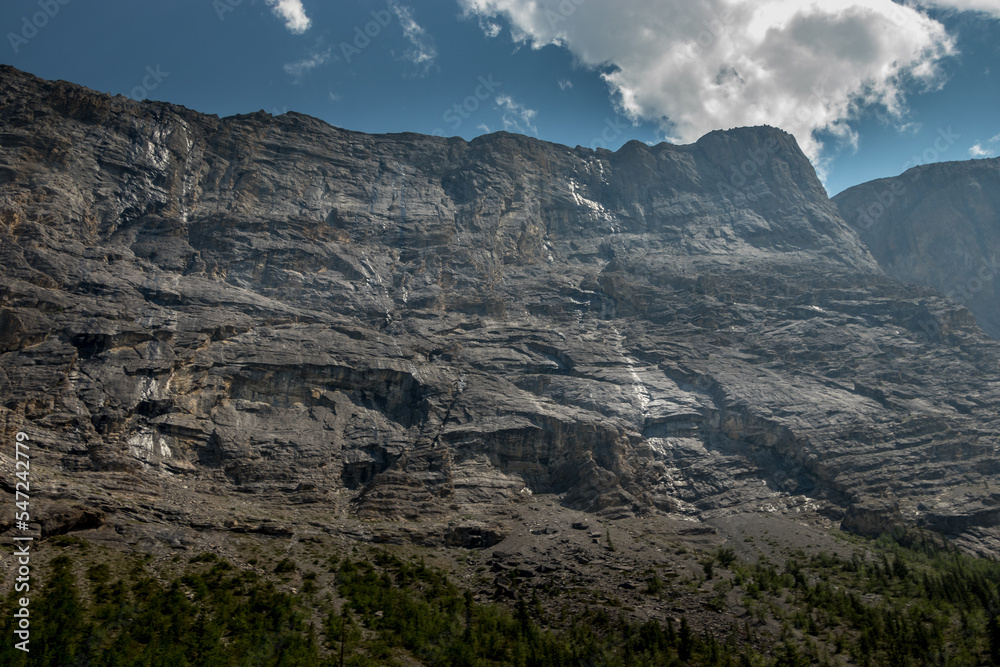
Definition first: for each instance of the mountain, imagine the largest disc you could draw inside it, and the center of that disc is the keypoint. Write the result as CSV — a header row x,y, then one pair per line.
x,y
268,325
936,225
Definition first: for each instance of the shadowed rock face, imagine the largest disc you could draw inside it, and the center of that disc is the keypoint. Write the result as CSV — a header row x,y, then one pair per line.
x,y
936,225
411,327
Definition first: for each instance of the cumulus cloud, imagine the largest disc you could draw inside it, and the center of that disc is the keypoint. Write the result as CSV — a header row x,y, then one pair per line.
x,y
515,116
693,66
990,148
422,51
292,13
991,7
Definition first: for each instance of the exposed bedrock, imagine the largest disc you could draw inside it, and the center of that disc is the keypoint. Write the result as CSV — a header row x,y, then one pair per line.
x,y
411,328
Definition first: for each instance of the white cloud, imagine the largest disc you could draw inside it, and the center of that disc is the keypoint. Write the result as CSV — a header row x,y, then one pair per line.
x,y
693,66
564,84
989,148
991,7
334,97
292,13
515,116
299,69
422,51
490,28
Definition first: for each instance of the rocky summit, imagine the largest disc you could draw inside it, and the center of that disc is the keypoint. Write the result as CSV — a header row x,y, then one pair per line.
x,y
936,225
269,325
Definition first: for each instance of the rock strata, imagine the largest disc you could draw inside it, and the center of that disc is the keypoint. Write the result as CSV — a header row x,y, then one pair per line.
x,y
936,225
249,323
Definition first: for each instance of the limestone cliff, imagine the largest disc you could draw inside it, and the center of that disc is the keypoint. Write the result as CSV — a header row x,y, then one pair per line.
x,y
206,321
936,225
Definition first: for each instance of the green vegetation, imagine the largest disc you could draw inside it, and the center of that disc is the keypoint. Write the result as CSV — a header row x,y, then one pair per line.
x,y
209,616
215,614
906,602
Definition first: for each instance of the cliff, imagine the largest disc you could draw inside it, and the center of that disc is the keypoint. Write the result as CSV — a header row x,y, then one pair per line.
x,y
936,225
260,323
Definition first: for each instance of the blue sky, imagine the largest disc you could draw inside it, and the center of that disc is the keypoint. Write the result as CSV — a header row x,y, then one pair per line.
x,y
868,88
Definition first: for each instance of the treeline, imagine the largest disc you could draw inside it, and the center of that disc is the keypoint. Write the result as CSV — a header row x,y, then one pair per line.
x,y
210,616
908,601
412,607
214,614
891,603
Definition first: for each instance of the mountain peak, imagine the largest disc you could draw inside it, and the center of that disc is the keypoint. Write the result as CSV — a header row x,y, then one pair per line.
x,y
349,327
936,225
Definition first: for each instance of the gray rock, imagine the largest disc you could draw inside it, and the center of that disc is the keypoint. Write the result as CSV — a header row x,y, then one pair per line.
x,y
256,322
936,225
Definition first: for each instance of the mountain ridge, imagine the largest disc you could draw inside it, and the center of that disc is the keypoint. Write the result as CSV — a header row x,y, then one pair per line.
x,y
936,225
411,330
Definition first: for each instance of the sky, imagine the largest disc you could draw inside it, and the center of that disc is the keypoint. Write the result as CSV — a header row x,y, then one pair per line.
x,y
868,89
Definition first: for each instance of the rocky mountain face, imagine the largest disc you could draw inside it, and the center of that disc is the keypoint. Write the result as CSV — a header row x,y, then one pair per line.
x,y
253,323
936,225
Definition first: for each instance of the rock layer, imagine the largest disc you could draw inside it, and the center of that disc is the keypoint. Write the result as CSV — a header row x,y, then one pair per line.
x,y
936,225
208,320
